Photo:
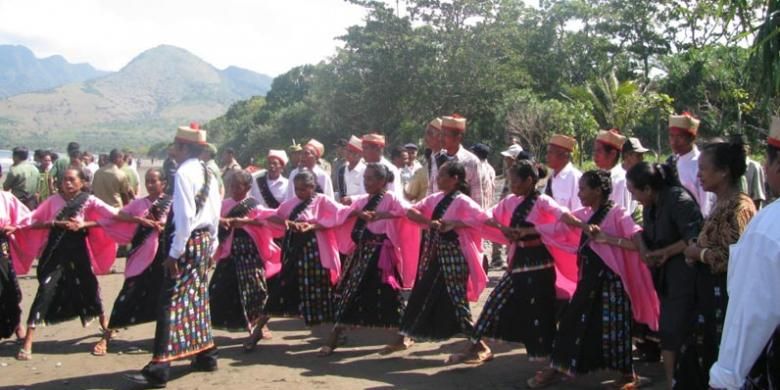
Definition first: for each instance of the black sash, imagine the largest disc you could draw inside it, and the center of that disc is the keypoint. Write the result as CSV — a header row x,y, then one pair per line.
x,y
265,191
70,210
342,180
156,211
439,211
596,219
5,256
297,210
521,213
200,199
240,210
358,231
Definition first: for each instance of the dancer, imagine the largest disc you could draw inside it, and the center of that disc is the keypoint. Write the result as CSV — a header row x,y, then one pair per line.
x,y
520,307
73,252
450,273
246,255
139,224
594,332
12,212
382,259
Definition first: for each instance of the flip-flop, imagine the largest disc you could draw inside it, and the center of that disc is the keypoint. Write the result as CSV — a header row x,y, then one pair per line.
x,y
24,354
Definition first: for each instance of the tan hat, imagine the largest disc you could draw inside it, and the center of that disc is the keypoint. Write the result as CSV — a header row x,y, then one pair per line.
x,y
454,122
317,146
436,123
294,147
355,144
191,134
563,142
374,138
685,123
611,138
279,155
774,132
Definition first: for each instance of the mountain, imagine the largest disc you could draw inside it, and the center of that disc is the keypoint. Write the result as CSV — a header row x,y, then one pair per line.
x,y
141,104
21,71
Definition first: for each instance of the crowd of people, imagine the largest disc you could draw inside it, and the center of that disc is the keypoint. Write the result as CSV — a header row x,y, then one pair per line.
x,y
664,262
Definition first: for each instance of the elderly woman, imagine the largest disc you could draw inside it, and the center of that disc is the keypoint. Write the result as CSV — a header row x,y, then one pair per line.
x,y
721,165
671,217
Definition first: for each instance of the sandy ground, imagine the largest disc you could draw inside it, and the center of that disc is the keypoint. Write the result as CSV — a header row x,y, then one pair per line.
x,y
62,359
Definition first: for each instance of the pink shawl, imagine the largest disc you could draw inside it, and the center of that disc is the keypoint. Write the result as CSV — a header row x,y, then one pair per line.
x,y
122,232
404,236
262,236
12,213
31,242
325,211
465,210
544,216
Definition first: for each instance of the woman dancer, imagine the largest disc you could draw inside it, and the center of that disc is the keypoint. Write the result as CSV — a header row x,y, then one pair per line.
x,y
519,308
310,262
12,212
68,287
140,224
450,273
594,332
246,254
382,259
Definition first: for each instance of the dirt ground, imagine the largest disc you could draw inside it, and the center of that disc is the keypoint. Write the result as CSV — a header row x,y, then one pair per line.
x,y
62,360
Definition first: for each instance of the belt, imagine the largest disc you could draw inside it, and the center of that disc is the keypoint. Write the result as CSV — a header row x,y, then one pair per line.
x,y
530,243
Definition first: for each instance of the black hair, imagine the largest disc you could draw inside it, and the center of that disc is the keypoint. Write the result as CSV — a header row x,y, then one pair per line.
x,y
728,156
21,153
599,179
73,146
396,152
158,171
242,176
230,150
381,171
79,173
305,176
772,153
524,169
454,168
654,176
74,154
115,154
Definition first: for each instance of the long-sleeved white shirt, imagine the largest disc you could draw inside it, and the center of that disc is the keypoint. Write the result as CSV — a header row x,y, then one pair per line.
x,y
353,179
688,170
187,183
620,194
323,179
753,312
470,162
565,186
277,187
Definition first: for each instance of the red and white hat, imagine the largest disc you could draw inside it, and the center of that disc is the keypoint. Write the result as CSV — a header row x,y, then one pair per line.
x,y
374,138
563,142
280,155
316,146
436,124
774,132
684,123
191,134
611,137
454,122
355,143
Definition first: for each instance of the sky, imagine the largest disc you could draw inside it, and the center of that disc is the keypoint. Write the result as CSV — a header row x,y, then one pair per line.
x,y
266,36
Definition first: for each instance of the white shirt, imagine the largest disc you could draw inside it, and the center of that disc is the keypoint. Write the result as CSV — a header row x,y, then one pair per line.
x,y
688,170
753,312
187,183
620,194
470,162
353,179
395,185
488,176
277,187
323,179
565,186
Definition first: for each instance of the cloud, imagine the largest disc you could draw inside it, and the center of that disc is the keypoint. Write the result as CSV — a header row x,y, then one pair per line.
x,y
265,36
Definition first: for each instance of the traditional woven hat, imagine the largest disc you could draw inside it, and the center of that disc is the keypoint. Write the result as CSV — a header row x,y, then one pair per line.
x,y
436,123
355,144
191,134
280,155
611,138
684,123
317,146
563,141
454,122
774,132
374,138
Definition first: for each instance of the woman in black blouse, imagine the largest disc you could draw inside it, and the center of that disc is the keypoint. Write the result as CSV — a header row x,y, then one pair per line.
x,y
671,218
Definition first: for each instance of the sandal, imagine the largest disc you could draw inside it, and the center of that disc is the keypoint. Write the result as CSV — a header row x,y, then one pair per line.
x,y
101,347
24,354
251,343
542,380
325,350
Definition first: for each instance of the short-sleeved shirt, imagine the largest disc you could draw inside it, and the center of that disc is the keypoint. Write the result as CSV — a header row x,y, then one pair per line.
x,y
109,184
22,181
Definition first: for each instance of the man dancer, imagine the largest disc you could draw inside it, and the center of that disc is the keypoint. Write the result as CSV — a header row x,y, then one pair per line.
x,y
269,186
683,130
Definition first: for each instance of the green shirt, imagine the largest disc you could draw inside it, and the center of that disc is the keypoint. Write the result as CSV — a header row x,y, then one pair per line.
x,y
22,181
59,168
132,177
